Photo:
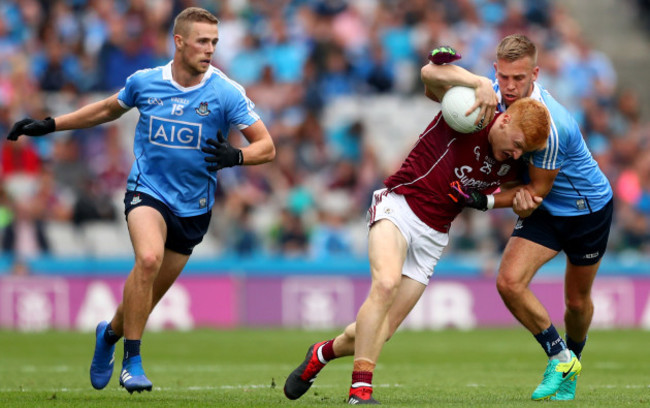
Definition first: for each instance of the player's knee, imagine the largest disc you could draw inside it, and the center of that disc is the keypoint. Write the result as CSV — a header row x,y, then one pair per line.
x,y
149,262
508,287
350,332
578,304
385,287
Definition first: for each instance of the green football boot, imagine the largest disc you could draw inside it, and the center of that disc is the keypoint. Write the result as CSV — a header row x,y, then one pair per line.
x,y
567,391
556,374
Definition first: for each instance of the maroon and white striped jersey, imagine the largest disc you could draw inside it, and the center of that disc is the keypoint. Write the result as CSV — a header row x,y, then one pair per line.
x,y
442,156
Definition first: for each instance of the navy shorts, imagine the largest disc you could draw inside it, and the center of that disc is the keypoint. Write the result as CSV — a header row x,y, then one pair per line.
x,y
583,238
183,233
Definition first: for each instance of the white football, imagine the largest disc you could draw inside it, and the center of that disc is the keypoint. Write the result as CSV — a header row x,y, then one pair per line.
x,y
456,101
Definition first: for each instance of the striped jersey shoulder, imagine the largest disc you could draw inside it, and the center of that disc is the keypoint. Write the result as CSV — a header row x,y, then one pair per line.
x,y
231,90
220,78
564,129
148,73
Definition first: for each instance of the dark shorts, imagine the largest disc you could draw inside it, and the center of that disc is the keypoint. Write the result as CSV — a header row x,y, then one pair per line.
x,y
183,233
583,238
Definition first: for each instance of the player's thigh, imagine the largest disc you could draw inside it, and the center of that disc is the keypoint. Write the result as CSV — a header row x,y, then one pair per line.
x,y
147,229
586,239
578,280
172,266
387,249
408,294
521,259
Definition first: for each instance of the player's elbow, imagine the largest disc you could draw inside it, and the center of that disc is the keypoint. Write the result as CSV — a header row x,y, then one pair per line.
x,y
427,71
433,88
427,74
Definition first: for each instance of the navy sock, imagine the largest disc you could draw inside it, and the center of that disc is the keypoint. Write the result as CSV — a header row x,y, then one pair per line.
x,y
109,335
575,346
550,341
131,348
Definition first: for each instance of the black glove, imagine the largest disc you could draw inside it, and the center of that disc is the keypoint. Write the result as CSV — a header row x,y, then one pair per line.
x,y
444,55
222,154
31,127
468,197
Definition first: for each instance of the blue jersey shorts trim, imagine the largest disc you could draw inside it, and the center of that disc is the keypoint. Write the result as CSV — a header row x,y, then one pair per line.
x,y
183,233
583,238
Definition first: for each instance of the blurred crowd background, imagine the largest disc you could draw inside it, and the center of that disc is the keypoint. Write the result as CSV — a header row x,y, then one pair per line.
x,y
337,84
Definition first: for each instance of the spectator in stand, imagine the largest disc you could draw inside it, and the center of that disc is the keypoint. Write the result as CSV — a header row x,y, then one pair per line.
x,y
318,51
122,54
633,199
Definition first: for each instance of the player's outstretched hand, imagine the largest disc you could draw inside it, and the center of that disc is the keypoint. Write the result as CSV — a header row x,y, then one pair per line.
x,y
468,197
222,154
444,55
31,127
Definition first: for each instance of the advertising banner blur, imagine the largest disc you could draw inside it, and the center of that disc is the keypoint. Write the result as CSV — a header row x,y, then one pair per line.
x,y
310,302
41,303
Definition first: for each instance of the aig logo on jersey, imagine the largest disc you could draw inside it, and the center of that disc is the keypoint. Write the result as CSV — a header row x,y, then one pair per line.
x,y
175,134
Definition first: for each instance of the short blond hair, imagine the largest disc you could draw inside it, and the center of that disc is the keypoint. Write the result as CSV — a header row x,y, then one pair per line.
x,y
515,47
192,15
532,117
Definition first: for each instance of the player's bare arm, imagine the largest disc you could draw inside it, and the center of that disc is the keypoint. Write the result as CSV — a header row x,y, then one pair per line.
x,y
88,116
261,148
528,197
541,182
429,94
439,78
91,115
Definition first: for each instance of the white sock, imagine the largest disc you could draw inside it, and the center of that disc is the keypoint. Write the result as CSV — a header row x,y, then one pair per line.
x,y
564,356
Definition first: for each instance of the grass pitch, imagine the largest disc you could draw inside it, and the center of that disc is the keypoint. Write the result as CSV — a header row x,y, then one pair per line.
x,y
247,368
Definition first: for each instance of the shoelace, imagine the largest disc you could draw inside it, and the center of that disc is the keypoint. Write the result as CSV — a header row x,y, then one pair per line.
x,y
547,373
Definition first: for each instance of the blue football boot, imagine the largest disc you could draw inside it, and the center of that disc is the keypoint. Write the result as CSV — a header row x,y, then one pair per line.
x,y
133,377
101,368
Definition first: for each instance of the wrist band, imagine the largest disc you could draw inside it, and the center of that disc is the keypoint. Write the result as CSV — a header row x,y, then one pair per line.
x,y
490,201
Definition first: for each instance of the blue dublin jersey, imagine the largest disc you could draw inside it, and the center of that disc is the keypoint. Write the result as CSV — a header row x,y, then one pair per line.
x,y
580,187
174,124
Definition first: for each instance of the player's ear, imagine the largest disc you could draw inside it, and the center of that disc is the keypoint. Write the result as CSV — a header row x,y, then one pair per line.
x,y
178,41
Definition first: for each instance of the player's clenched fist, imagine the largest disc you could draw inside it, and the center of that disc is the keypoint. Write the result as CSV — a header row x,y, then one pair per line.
x,y
31,127
524,203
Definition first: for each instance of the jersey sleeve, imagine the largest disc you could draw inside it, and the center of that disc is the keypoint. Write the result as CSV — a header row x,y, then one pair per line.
x,y
239,108
127,95
564,130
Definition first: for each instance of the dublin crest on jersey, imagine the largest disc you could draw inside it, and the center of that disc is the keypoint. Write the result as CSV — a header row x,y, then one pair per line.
x,y
202,110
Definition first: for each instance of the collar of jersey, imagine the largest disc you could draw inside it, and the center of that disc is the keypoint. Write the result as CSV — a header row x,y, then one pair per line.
x,y
167,76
